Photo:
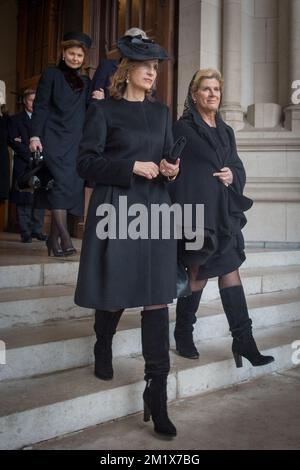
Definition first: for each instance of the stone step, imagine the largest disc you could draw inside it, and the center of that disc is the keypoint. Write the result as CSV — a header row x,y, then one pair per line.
x,y
37,305
25,271
63,345
225,419
38,409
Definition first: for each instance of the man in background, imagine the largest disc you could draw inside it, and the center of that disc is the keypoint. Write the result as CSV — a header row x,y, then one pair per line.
x,y
30,219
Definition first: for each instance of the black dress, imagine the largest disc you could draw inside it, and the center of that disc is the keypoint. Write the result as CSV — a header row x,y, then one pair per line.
x,y
57,119
123,273
207,151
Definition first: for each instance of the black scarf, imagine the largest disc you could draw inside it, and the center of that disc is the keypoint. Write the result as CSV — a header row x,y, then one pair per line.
x,y
228,156
72,76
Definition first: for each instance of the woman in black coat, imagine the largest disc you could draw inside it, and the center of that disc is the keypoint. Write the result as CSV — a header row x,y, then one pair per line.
x,y
56,129
124,141
212,174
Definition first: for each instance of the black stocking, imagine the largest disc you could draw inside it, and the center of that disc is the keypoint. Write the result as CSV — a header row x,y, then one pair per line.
x,y
230,280
195,284
59,228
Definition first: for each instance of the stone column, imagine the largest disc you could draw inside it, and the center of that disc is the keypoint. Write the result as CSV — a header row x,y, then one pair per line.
x,y
232,37
292,112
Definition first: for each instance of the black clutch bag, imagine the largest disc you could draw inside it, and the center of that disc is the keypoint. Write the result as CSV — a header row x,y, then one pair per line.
x,y
176,150
37,175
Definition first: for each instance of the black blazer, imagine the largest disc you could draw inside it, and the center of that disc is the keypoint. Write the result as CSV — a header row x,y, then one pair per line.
x,y
19,126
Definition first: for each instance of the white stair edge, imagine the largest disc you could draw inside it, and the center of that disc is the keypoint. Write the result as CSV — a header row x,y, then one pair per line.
x,y
51,356
56,419
39,310
53,273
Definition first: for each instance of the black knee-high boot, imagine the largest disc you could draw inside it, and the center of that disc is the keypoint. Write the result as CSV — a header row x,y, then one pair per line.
x,y
155,345
105,328
186,309
243,344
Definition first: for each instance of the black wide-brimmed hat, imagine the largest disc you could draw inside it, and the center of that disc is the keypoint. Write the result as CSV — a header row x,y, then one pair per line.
x,y
83,38
138,48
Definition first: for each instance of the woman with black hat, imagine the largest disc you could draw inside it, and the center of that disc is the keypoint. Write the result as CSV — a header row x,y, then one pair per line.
x,y
124,142
57,121
212,174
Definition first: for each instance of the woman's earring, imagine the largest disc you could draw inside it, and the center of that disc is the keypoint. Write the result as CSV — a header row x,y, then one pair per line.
x,y
127,79
194,101
63,58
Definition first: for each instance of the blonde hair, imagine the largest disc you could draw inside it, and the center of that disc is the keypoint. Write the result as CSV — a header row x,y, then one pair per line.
x,y
206,73
118,82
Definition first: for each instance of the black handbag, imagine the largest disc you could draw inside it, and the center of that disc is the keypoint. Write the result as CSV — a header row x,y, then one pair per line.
x,y
176,150
37,175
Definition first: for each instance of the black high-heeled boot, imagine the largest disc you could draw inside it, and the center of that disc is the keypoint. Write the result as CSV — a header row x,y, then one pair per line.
x,y
243,344
155,406
155,346
105,327
186,309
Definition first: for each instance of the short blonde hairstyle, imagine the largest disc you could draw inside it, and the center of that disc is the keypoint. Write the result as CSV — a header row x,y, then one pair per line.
x,y
118,82
206,73
73,43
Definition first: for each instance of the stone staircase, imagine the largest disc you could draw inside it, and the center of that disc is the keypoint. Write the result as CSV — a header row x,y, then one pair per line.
x,y
47,386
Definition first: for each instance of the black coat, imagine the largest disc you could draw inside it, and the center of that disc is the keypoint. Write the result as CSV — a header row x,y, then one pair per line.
x,y
123,273
207,151
19,126
58,117
103,74
4,160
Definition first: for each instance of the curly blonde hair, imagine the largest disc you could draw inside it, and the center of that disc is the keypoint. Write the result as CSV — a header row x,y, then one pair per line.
x,y
118,82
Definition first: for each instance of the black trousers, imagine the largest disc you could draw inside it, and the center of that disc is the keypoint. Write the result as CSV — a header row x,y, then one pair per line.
x,y
30,220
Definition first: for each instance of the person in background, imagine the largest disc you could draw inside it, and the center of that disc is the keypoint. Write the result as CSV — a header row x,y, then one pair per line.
x,y
57,121
30,219
107,67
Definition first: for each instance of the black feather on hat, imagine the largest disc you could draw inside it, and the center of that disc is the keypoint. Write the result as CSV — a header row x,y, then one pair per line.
x,y
138,48
83,38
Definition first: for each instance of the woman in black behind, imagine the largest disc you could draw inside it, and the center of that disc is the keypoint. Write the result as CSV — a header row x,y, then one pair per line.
x,y
57,121
124,141
212,174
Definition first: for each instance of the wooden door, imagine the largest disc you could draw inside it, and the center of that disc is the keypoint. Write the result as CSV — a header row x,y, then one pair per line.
x,y
109,19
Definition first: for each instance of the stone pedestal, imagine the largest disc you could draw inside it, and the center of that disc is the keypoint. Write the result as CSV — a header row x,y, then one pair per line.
x,y
292,118
233,115
264,115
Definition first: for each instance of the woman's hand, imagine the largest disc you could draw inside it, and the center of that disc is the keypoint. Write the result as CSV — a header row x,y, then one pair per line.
x,y
35,144
226,176
98,94
148,170
168,169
